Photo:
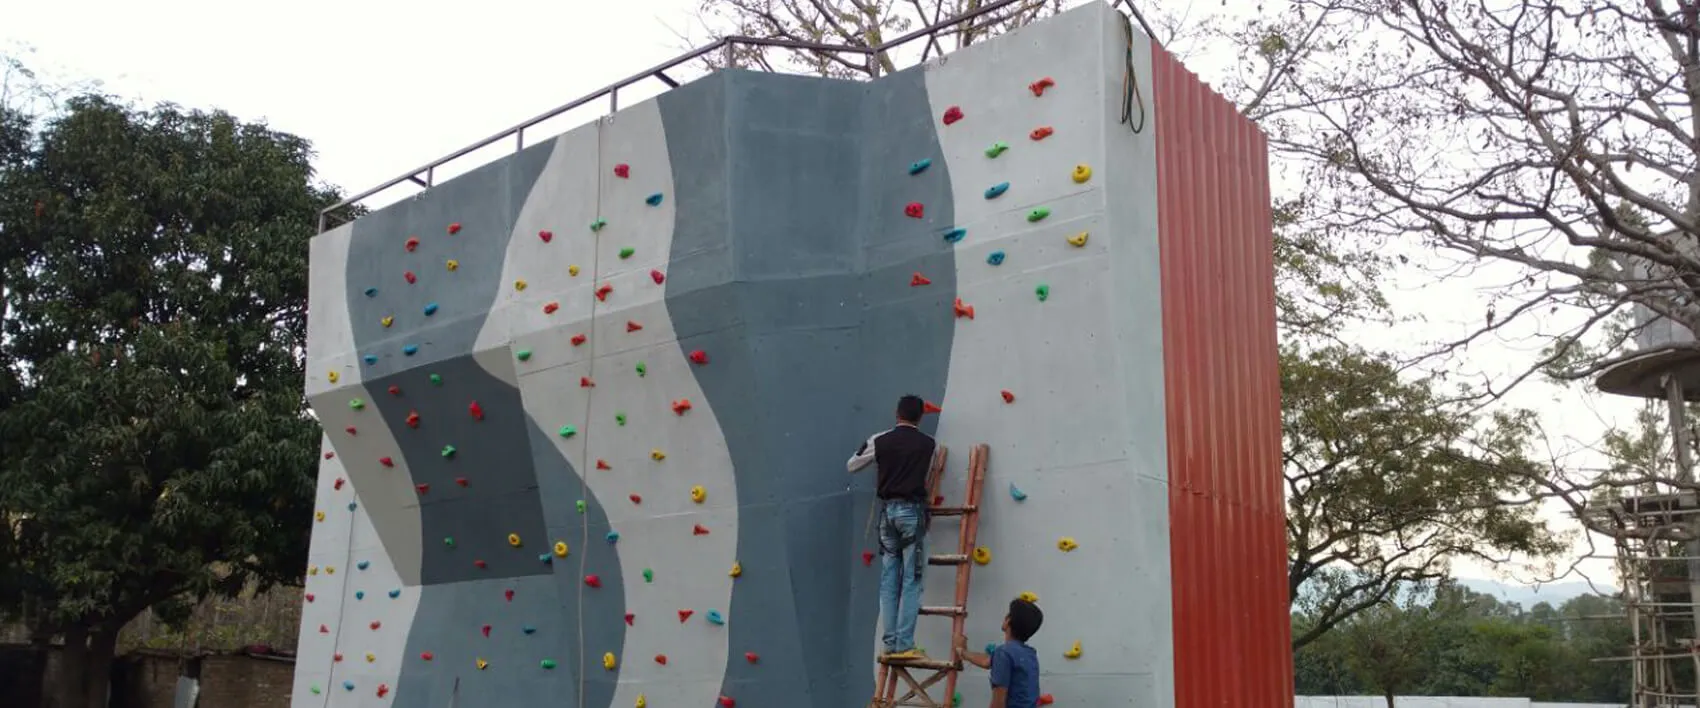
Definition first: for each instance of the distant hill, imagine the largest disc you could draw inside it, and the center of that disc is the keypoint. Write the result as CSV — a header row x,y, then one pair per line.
x,y
1528,596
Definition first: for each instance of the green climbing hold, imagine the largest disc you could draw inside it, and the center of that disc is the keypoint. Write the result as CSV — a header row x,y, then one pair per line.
x,y
620,418
627,252
580,506
568,431
991,648
1043,291
356,403
956,699
547,663
436,380
648,575
314,689
448,451
997,149
641,369
523,355
597,225
1038,214
449,541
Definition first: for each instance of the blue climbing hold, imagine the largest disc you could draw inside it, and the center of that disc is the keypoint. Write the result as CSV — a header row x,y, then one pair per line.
x,y
362,564
715,618
1016,493
613,536
653,199
371,292
955,234
359,594
351,506
995,258
991,648
370,359
544,558
430,309
919,166
997,190
410,349
395,593
528,629
348,685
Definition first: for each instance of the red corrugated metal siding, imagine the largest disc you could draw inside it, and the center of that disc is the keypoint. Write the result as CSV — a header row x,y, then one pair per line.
x,y
1228,547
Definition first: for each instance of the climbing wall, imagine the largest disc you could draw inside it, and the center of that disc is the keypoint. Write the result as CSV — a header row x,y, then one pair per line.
x,y
587,408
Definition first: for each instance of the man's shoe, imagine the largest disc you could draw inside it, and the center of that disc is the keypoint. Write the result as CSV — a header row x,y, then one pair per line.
x,y
906,654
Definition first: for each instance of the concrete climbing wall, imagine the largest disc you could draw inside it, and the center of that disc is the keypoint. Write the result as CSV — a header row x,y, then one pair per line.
x,y
587,407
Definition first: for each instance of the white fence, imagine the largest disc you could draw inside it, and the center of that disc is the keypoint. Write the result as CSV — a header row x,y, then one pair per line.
x,y
1434,702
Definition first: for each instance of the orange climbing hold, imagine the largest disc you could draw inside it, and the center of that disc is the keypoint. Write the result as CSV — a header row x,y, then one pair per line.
x,y
930,407
699,530
454,228
917,280
603,290
1007,396
375,625
1047,699
963,310
578,339
585,382
550,308
632,326
411,244
681,405
699,357
1038,87
475,410
1041,132
661,659
685,615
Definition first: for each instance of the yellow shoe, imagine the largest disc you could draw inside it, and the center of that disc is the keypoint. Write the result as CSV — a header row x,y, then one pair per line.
x,y
906,654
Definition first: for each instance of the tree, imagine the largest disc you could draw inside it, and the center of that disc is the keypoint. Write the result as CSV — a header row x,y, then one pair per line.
x,y
158,446
1385,644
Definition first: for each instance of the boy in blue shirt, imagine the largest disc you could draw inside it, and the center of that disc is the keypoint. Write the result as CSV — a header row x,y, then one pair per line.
x,y
1014,665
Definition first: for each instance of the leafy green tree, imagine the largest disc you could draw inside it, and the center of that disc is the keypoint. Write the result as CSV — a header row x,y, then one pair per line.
x,y
157,445
1385,643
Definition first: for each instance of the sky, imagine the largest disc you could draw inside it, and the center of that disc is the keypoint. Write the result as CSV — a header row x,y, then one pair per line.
x,y
381,87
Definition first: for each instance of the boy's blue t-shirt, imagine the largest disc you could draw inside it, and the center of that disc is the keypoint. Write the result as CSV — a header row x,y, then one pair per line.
x,y
1015,667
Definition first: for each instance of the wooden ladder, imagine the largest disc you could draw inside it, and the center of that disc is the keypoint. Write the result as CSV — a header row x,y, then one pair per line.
x,y
892,672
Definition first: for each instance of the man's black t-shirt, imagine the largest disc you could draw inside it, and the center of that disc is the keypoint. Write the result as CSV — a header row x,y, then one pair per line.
x,y
904,456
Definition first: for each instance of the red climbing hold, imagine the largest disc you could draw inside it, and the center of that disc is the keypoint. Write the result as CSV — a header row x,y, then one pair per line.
x,y
623,170
549,309
632,326
603,290
593,581
578,339
661,659
751,657
486,631
1007,396
411,278
426,655
603,465
952,114
938,500
699,357
309,597
337,656
1038,87
337,484
699,530
387,462
477,411
685,615
324,630
413,419
585,382
460,481
657,276
917,280
930,407
330,455
546,235
867,557
727,702
480,564
383,689
914,210
680,406
351,430
1041,132
375,625
423,487
509,594
1047,699
629,618
963,310
412,243
636,498
454,228
395,390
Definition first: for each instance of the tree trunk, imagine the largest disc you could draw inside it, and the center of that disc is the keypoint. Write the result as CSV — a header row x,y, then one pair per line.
x,y
1389,699
73,667
103,641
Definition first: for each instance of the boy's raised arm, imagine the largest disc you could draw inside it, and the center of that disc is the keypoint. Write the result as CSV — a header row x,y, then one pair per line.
x,y
863,455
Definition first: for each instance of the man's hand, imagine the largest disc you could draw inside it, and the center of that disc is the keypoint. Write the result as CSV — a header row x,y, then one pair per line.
x,y
960,644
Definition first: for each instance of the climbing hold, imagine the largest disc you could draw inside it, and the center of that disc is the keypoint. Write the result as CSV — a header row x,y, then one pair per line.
x,y
737,569
919,166
370,657
597,225
383,688
956,698
1082,172
572,270
586,382
547,663
955,235
653,199
546,235
568,431
997,190
636,499
1046,699
681,405
629,618
1043,292
386,461
727,702
338,483
330,570
454,228
309,597
395,594
997,149
333,376
698,494
375,625
620,418
412,419
1038,214
410,349
348,685
632,326
436,380
370,359
1073,651
578,339
867,558
410,277
371,292
917,280
952,114
685,615
460,481
387,320
482,664
430,309
603,290
509,593
752,657
1016,493
426,655
661,659
551,307
449,452
648,575
486,630
603,465
449,541
411,244
963,310
1038,87
593,581
613,537
1028,597
622,170
715,618
326,630
351,431
315,689
329,455
641,703
641,369
523,355
363,565
627,252
528,629
1041,132
513,540
699,530
1078,239
914,210
351,506
608,661
1008,397
561,549
657,276
479,564
982,555
655,454
1066,544
475,410
991,647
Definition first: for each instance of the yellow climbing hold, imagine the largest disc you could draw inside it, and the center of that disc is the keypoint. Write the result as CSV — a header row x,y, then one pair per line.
x,y
698,494
737,569
319,515
519,284
387,320
513,540
333,376
452,264
641,703
608,661
982,555
482,664
330,570
312,570
657,455
1082,173
1073,652
1027,596
1077,240
560,549
572,270
1066,544
370,657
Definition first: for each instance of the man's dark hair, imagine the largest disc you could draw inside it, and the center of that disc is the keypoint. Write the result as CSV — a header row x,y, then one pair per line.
x,y
910,408
1024,619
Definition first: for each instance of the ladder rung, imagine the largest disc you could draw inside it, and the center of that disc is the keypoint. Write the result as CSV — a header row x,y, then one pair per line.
x,y
951,510
923,663
946,610
947,559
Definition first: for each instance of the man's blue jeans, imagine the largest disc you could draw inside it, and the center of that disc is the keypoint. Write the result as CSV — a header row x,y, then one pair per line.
x,y
903,563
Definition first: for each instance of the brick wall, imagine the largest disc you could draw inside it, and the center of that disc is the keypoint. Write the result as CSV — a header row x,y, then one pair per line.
x,y
244,682
148,679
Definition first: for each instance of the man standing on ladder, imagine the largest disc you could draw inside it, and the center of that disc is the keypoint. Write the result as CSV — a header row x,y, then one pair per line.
x,y
904,455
